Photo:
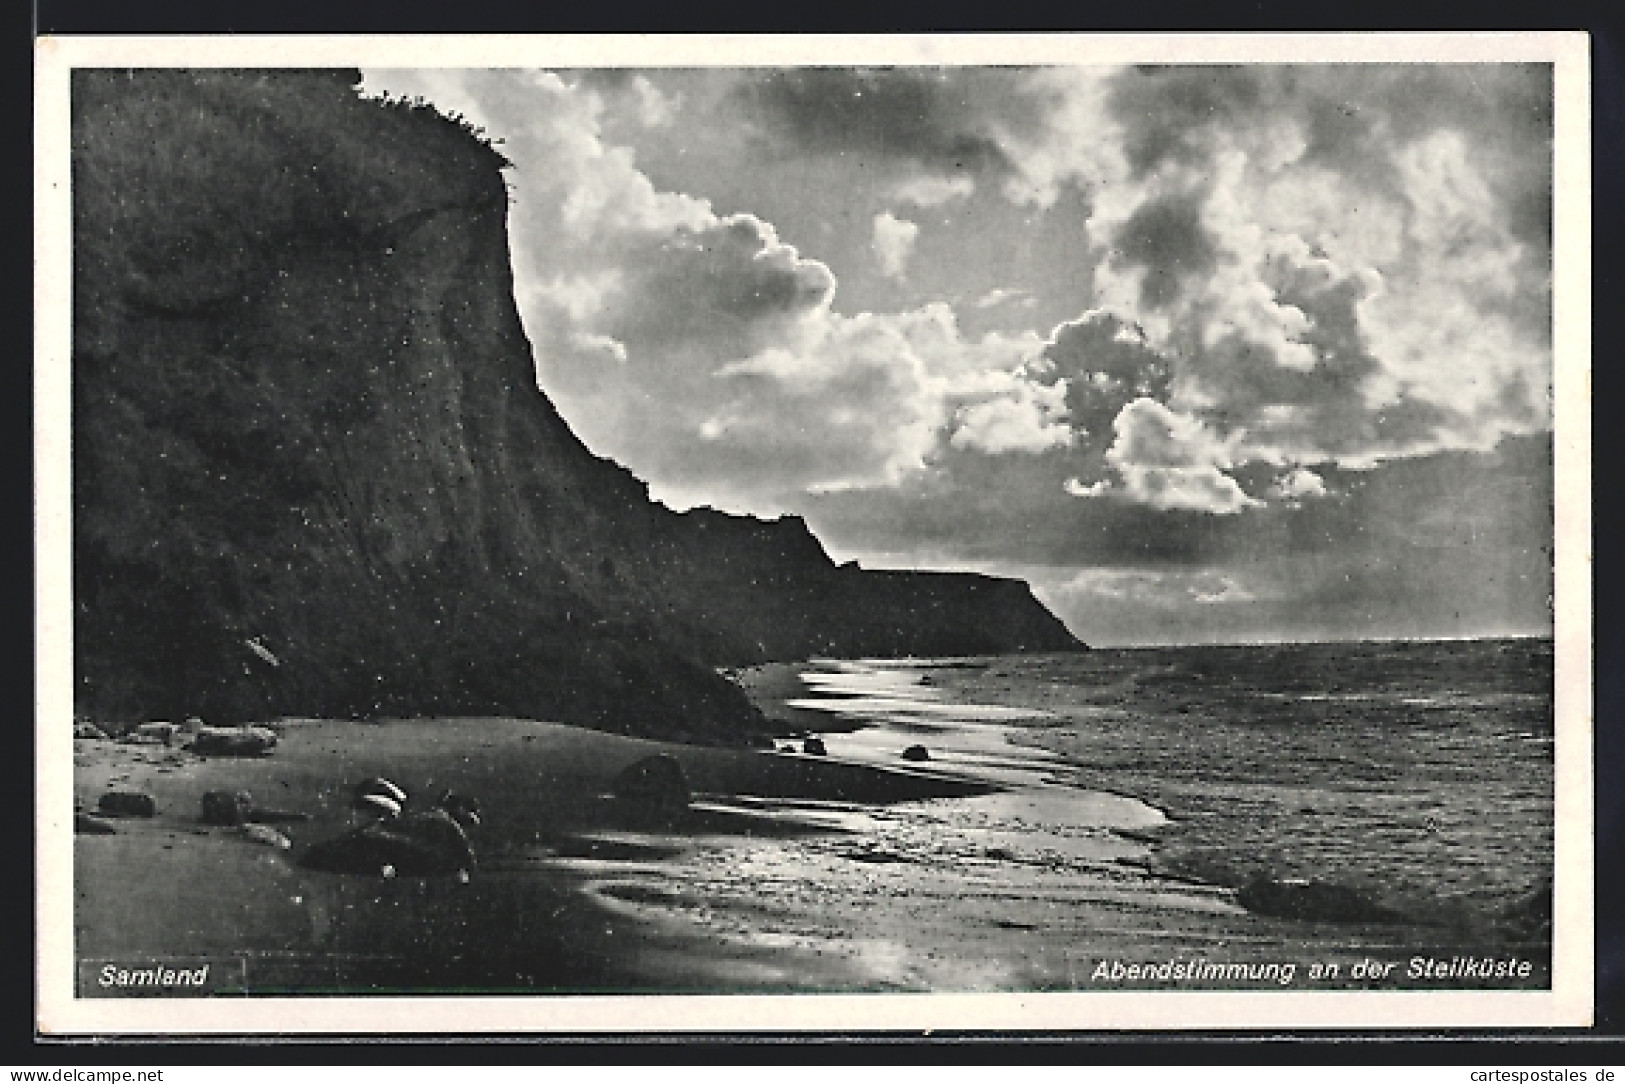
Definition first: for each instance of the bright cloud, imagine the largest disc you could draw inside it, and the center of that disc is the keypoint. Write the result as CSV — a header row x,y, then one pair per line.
x,y
1002,296
932,191
893,243
1217,295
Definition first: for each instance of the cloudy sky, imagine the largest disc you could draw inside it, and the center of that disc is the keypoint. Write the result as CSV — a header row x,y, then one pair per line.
x,y
1204,354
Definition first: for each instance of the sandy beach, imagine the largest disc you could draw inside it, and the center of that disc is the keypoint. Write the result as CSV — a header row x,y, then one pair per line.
x,y
534,917
992,866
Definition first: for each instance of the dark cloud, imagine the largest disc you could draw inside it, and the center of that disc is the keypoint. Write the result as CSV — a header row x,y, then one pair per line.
x,y
1310,272
1162,108
1107,365
1241,378
919,114
1447,544
1351,117
1166,238
611,80
1476,504
732,284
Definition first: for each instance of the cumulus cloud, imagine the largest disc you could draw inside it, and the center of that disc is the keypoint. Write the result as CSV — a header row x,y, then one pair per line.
x,y
1312,267
1028,417
706,346
1077,488
1286,284
1107,364
933,191
1450,543
918,114
893,243
1170,460
1305,238
1161,588
1332,263
1299,484
655,109
1003,296
867,400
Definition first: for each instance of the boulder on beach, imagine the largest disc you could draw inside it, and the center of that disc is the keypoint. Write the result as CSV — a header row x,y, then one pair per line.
x,y
227,807
233,741
814,747
127,803
419,845
86,824
259,833
656,782
88,731
1314,901
916,752
152,734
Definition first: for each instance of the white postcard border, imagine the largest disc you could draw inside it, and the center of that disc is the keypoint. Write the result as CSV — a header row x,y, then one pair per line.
x,y
1568,1004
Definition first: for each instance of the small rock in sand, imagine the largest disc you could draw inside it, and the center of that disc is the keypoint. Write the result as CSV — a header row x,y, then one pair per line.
x,y
234,741
89,825
227,807
657,782
259,833
916,752
420,845
127,803
159,733
814,747
89,731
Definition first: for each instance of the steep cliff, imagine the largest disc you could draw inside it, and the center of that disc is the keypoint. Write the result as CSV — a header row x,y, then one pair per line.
x,y
313,474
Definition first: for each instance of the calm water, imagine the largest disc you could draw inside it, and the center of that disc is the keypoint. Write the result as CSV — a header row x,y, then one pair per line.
x,y
1140,789
1421,769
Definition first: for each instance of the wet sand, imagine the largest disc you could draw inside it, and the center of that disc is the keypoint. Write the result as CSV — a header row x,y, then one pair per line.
x,y
532,918
994,865
1066,869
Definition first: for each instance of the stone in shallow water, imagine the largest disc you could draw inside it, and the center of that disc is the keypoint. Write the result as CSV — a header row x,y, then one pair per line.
x,y
227,807
259,833
1314,901
421,845
814,747
654,782
88,825
126,803
916,752
234,741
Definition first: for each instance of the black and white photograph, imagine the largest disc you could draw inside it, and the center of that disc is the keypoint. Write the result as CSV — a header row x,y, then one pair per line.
x,y
611,533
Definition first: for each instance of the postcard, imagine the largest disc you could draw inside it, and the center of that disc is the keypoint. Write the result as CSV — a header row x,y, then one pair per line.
x,y
780,534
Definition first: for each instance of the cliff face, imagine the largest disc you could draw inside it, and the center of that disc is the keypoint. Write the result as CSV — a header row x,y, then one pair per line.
x,y
313,474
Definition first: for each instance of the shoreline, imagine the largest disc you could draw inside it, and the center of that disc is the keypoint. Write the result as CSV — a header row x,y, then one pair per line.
x,y
992,866
551,829
896,700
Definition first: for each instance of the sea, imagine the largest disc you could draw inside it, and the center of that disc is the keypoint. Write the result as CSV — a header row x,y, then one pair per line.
x,y
1140,793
